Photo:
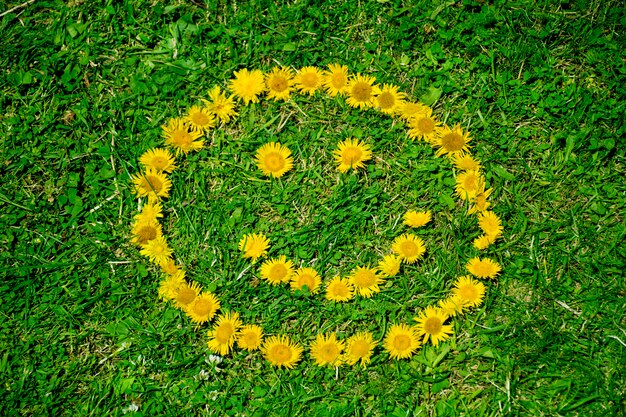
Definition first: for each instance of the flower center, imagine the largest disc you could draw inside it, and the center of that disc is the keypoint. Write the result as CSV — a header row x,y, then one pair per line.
x,y
307,280
432,325
202,307
224,332
453,142
401,342
278,84
360,348
185,296
339,81
278,272
181,138
159,162
200,119
364,279
329,352
409,248
468,292
274,162
309,80
152,183
361,91
386,100
351,155
340,290
426,125
281,353
146,234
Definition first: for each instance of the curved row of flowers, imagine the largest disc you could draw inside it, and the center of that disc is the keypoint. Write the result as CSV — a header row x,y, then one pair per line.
x,y
185,134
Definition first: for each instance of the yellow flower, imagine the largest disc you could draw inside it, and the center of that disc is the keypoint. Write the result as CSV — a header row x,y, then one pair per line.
x,y
452,142
430,325
152,210
469,184
465,162
401,341
483,242
178,136
146,230
490,224
306,277
203,308
157,250
480,201
389,266
277,270
351,153
309,80
339,289
250,337
220,105
158,159
152,184
359,348
253,245
280,351
278,83
247,85
365,281
186,294
274,159
452,306
389,99
326,350
423,126
170,267
483,268
414,218
336,79
200,118
224,332
408,109
469,291
361,91
409,247
168,288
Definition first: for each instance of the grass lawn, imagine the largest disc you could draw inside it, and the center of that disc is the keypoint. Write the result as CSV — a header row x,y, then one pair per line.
x,y
85,89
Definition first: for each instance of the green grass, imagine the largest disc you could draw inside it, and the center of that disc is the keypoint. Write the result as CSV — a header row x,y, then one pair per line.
x,y
84,91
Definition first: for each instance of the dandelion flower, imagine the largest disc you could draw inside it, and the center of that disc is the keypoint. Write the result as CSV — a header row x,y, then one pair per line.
x,y
146,230
430,325
168,288
152,184
408,110
326,350
480,201
247,85
336,80
482,242
401,341
306,277
277,270
365,281
152,210
178,136
169,267
280,351
220,105
423,126
157,250
452,141
203,308
339,289
359,348
469,291
389,99
416,219
469,184
274,159
465,162
483,268
361,91
309,80
490,224
250,337
224,332
253,245
186,294
452,306
158,159
409,247
351,153
279,83
389,266
200,118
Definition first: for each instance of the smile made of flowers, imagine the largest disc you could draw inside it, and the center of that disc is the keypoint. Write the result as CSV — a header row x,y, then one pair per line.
x,y
185,134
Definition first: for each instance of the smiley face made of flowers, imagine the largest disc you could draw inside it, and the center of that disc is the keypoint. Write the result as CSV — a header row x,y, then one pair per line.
x,y
226,327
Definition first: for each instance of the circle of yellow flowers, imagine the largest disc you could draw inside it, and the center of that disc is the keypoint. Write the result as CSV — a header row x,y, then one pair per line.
x,y
185,134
